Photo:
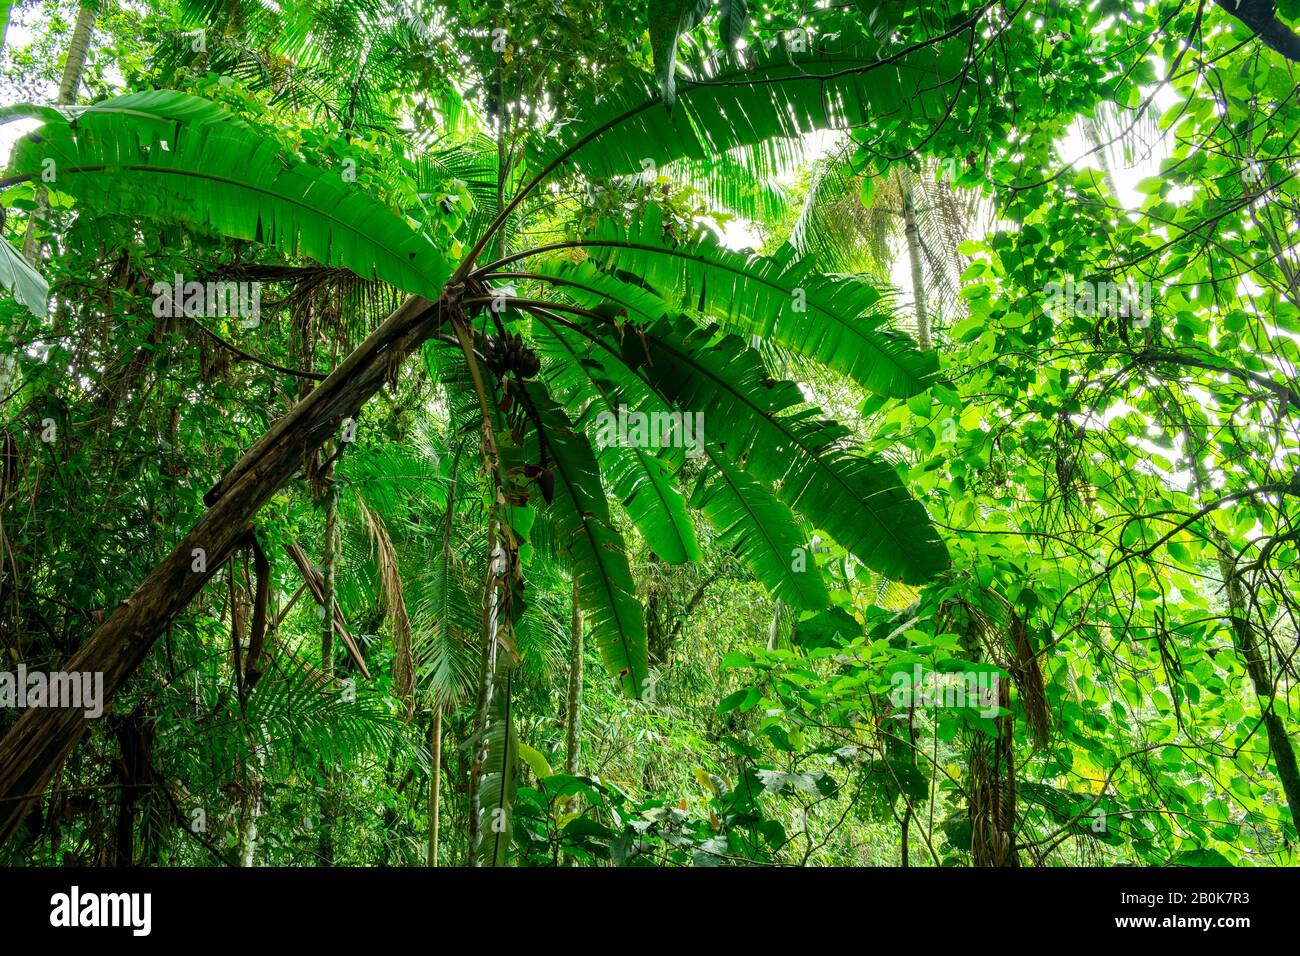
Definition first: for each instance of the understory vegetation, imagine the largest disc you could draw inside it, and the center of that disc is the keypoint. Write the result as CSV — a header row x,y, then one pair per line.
x,y
562,433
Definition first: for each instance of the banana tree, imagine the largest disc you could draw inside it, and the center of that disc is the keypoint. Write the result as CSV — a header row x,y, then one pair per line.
x,y
624,317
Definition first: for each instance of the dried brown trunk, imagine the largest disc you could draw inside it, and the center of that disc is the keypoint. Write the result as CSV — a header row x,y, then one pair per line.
x,y
32,751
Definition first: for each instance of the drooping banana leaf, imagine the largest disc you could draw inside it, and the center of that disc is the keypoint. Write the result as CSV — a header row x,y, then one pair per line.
x,y
832,81
606,592
183,158
642,478
763,533
758,528
835,320
28,286
766,427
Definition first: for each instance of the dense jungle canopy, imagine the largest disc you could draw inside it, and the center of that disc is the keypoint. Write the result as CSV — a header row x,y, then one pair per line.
x,y
694,433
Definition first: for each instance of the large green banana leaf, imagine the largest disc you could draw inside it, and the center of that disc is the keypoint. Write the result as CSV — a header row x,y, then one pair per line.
x,y
167,154
834,320
606,592
834,82
641,478
766,427
758,528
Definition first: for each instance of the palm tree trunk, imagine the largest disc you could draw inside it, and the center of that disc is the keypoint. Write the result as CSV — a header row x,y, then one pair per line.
x,y
74,67
913,236
435,782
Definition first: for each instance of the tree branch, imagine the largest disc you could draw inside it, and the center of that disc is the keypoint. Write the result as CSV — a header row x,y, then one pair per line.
x,y
1261,16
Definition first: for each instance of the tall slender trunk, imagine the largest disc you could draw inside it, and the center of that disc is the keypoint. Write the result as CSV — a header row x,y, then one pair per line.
x,y
487,685
498,561
435,782
74,67
1248,649
913,235
573,733
250,804
327,814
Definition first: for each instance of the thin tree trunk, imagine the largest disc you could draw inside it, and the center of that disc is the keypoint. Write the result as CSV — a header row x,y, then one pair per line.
x,y
497,561
435,782
74,67
326,851
1279,744
33,749
250,808
487,684
913,236
574,715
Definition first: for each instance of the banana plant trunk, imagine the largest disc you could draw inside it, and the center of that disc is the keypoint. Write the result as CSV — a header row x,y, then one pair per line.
x,y
34,748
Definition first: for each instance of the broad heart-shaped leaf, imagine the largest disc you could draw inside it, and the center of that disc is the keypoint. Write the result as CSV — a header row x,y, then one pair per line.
x,y
767,428
835,320
605,588
183,158
835,81
640,477
763,533
27,285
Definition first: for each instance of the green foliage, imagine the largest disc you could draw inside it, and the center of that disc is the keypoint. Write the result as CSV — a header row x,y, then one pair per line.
x,y
1078,505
